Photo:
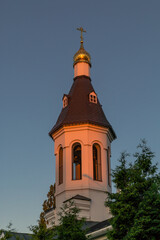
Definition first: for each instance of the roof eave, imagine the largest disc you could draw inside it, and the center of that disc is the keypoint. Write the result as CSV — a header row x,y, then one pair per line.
x,y
55,129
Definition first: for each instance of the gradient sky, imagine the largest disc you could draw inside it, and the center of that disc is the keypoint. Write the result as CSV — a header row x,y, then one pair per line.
x,y
37,42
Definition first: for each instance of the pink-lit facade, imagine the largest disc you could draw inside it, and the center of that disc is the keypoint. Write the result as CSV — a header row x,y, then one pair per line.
x,y
85,177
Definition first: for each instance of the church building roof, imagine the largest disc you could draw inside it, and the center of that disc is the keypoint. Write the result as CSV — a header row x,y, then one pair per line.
x,y
79,109
79,197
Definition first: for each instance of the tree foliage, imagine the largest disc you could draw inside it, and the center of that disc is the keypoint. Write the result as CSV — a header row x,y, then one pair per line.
x,y
136,205
70,227
40,232
7,233
10,233
48,204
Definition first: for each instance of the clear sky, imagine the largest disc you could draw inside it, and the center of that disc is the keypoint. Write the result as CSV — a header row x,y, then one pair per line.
x,y
37,42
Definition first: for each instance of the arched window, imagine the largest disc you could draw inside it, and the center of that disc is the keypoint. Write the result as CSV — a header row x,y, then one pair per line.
x,y
76,162
93,97
65,101
60,165
108,166
97,171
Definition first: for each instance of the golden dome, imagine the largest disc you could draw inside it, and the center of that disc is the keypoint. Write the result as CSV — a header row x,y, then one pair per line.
x,y
82,56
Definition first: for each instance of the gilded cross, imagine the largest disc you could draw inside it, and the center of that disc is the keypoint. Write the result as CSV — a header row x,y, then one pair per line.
x,y
82,30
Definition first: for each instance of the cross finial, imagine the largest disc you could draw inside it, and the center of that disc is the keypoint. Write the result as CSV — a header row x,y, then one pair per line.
x,y
82,30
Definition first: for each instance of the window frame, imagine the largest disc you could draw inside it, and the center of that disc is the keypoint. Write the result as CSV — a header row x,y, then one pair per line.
x,y
108,166
97,167
76,174
93,97
60,161
65,101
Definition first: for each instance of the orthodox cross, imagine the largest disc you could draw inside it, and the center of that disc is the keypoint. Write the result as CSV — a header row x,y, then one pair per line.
x,y
82,30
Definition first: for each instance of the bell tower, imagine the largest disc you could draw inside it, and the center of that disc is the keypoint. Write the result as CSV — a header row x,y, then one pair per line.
x,y
82,145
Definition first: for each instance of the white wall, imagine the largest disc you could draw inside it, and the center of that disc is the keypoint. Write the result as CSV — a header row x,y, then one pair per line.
x,y
86,135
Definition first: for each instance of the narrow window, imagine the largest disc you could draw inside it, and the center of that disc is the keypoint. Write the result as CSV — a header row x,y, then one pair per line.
x,y
108,166
76,162
60,165
97,171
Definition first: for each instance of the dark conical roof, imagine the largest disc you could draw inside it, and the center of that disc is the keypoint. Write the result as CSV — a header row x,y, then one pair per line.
x,y
80,110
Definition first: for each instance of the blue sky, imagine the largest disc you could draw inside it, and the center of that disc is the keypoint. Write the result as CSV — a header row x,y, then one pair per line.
x,y
37,42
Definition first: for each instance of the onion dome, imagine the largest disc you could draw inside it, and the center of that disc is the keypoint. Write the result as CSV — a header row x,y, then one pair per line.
x,y
82,56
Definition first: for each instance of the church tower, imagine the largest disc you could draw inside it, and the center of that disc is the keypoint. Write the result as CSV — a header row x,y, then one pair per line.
x,y
82,145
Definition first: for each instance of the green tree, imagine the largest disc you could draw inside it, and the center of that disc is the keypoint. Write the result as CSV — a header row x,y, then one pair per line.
x,y
40,232
136,205
48,204
10,233
7,233
70,228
